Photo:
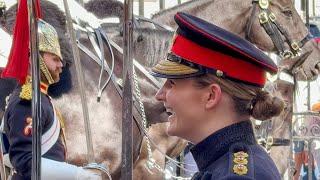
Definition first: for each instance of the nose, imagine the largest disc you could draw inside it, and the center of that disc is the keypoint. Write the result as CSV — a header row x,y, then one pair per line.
x,y
161,94
60,65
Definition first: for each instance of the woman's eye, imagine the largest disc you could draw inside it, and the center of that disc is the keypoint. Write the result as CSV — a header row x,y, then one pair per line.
x,y
171,82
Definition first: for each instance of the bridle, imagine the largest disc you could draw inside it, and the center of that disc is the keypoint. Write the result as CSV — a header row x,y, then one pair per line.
x,y
276,32
279,37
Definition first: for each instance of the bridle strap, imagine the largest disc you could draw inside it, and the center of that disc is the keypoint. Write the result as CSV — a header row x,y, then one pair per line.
x,y
275,31
275,36
250,22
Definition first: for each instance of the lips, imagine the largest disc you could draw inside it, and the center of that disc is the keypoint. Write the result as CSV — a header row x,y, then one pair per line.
x,y
169,111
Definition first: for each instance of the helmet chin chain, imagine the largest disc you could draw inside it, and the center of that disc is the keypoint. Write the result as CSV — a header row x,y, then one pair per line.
x,y
44,69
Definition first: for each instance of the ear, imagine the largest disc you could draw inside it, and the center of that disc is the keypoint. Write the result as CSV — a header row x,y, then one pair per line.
x,y
214,96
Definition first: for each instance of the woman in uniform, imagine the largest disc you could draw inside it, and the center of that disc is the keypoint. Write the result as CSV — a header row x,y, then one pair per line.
x,y
214,86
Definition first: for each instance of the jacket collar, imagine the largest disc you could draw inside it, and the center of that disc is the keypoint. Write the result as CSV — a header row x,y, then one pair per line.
x,y
43,86
218,143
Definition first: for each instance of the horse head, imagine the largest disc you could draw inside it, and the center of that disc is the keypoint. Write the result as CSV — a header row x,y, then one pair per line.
x,y
276,26
252,19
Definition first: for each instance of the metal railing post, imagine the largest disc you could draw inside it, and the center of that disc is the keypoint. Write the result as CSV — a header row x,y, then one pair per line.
x,y
127,162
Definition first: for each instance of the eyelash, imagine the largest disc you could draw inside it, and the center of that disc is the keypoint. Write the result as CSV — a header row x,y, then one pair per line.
x,y
171,82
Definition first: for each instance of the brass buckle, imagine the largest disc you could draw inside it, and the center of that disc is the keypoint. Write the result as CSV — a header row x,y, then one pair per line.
x,y
272,17
295,46
262,141
287,54
263,17
269,141
264,4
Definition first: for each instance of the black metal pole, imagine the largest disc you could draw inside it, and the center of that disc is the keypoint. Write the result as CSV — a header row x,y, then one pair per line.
x,y
126,169
80,77
36,98
308,99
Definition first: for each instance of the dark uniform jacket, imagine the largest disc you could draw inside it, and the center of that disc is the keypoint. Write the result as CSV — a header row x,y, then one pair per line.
x,y
18,130
233,153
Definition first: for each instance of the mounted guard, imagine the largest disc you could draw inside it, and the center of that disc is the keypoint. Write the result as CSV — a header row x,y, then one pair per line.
x,y
17,121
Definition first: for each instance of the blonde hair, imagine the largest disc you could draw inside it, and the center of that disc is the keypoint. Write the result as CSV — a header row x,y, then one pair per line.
x,y
248,100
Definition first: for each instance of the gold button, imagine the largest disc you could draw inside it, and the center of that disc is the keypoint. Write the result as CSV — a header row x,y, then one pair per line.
x,y
240,160
241,154
240,169
219,73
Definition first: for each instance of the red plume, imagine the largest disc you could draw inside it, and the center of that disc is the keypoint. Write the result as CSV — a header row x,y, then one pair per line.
x,y
18,62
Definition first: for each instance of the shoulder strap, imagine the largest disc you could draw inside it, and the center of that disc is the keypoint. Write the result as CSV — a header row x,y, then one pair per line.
x,y
50,137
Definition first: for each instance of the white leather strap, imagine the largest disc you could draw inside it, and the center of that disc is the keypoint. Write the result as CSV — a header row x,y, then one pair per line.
x,y
50,137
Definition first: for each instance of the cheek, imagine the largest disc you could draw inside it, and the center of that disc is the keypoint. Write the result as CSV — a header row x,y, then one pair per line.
x,y
190,108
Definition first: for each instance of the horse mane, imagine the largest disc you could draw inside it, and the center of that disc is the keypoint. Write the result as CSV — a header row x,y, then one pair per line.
x,y
105,8
154,45
181,7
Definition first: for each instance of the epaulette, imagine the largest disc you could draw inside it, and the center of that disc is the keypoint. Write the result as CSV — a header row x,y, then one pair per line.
x,y
26,90
241,162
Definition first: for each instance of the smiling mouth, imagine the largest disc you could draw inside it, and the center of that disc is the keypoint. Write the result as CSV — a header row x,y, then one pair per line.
x,y
169,111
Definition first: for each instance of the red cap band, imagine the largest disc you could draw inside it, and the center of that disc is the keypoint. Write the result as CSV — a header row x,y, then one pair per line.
x,y
232,67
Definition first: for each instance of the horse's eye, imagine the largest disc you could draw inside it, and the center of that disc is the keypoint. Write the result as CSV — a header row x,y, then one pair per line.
x,y
287,12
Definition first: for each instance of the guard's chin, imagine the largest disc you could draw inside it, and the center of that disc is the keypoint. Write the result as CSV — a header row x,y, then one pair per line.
x,y
56,79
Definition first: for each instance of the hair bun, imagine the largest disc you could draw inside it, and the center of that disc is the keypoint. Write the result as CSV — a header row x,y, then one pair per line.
x,y
266,106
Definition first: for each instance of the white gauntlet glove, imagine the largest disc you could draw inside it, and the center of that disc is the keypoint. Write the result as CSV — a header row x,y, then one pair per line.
x,y
55,170
87,174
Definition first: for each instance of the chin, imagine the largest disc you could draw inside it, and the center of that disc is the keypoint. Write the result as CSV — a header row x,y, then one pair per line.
x,y
173,131
56,79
